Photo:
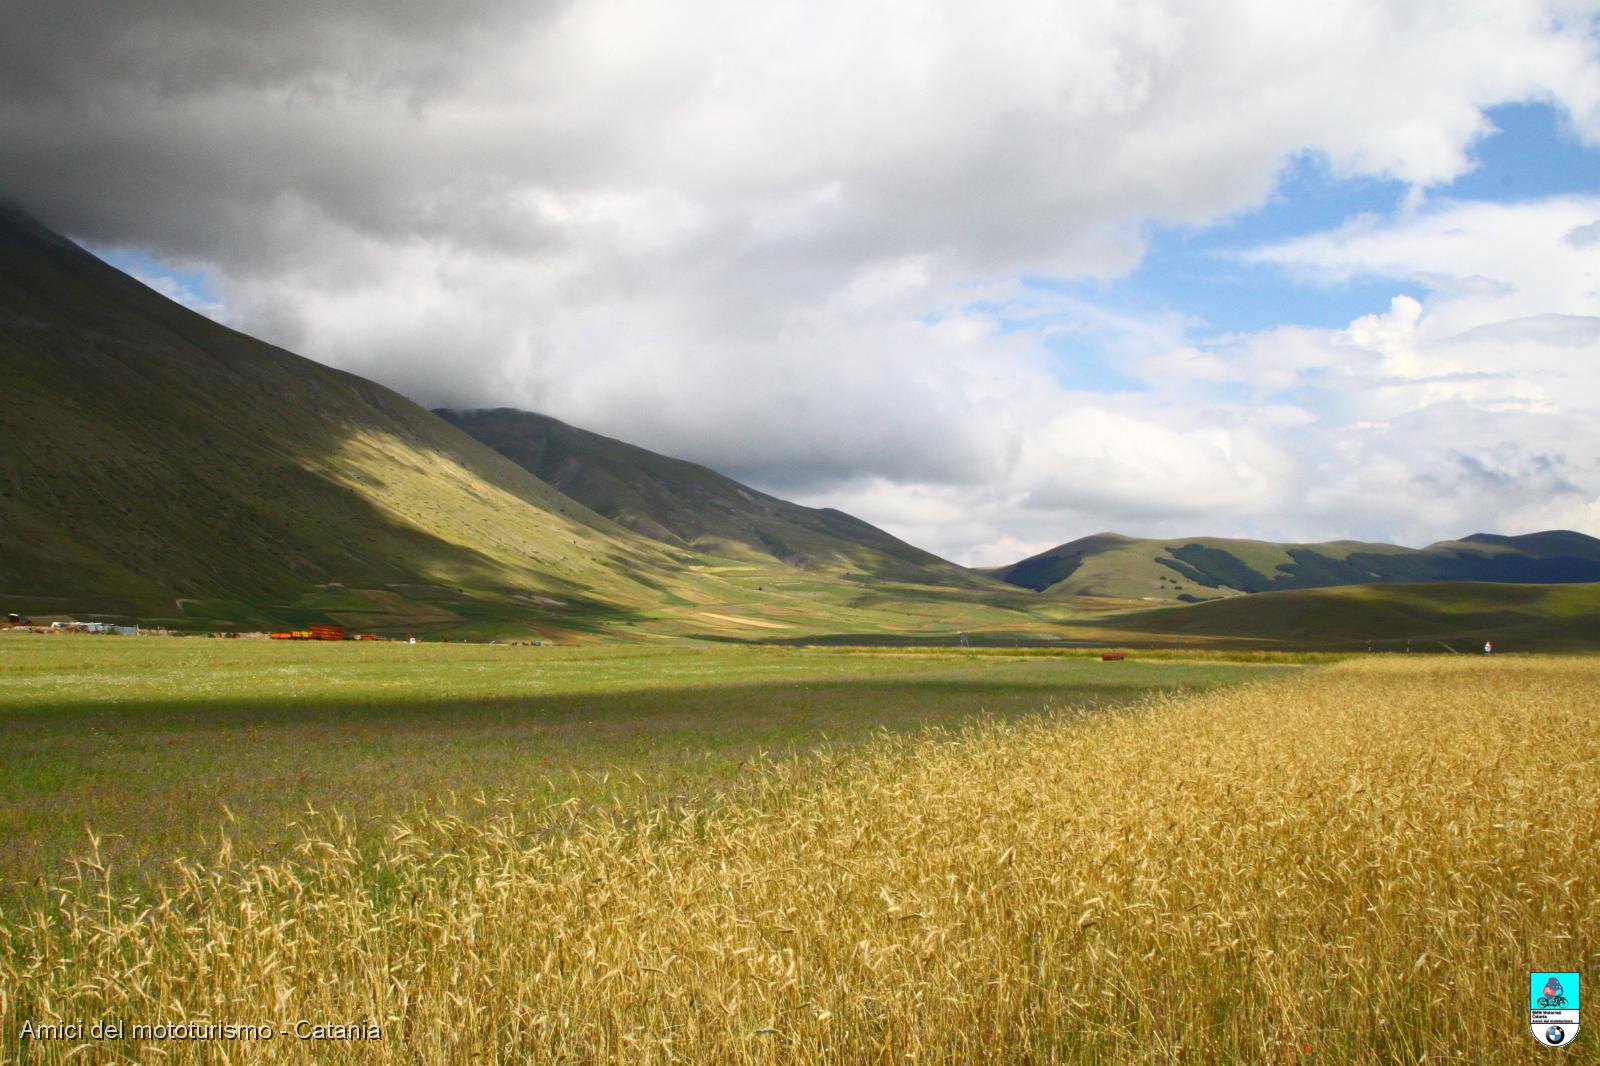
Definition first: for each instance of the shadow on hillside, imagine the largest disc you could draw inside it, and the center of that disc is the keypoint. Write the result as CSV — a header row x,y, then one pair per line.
x,y
183,462
173,458
1386,617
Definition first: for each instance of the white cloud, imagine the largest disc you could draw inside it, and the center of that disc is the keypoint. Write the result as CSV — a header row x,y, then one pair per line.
x,y
1482,262
1584,236
1477,405
785,238
1506,293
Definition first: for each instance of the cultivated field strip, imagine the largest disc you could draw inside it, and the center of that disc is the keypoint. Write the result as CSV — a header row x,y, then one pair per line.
x,y
1357,864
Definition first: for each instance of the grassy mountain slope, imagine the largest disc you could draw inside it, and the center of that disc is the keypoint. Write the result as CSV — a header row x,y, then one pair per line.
x,y
157,465
1199,568
687,505
1461,614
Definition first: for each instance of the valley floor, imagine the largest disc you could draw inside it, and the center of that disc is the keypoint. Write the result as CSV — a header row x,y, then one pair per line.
x,y
1358,862
163,747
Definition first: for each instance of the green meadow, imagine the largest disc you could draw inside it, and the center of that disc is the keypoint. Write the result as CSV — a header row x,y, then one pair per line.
x,y
171,747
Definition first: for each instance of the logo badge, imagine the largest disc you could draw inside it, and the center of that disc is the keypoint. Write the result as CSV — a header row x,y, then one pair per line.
x,y
1553,1007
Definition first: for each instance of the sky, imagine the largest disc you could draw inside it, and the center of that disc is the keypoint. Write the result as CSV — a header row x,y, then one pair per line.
x,y
991,276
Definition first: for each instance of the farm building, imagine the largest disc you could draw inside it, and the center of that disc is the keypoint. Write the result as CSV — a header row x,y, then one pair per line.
x,y
315,631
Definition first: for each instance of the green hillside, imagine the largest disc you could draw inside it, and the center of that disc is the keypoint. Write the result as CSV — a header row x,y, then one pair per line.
x,y
156,465
690,506
1188,569
1460,615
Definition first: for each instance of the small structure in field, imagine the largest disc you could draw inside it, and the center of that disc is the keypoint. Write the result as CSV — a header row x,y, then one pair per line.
x,y
314,631
94,627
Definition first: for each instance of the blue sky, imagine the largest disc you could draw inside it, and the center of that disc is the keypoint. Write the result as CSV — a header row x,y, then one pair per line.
x,y
193,287
1195,274
1529,156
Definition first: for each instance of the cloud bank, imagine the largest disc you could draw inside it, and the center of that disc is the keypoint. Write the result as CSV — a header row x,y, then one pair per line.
x,y
803,243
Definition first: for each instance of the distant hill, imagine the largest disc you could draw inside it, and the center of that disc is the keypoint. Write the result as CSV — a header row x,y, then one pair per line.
x,y
691,506
1189,569
1428,617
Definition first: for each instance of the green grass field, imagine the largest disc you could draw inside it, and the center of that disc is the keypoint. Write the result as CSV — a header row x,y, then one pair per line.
x,y
1355,863
162,746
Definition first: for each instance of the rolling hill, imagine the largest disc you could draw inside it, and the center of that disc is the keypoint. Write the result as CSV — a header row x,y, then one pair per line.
x,y
1459,616
157,465
1190,569
686,505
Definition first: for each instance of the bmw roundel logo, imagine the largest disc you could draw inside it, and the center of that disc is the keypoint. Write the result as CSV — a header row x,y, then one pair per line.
x,y
1554,1035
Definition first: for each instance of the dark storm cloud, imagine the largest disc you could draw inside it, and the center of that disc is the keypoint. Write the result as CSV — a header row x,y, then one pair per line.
x,y
181,125
57,50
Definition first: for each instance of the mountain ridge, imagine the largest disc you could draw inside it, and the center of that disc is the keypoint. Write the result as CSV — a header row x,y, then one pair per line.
x,y
155,459
158,466
155,464
1187,569
685,504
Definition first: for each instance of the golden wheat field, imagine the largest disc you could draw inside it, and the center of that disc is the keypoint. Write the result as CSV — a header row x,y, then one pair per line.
x,y
1357,864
